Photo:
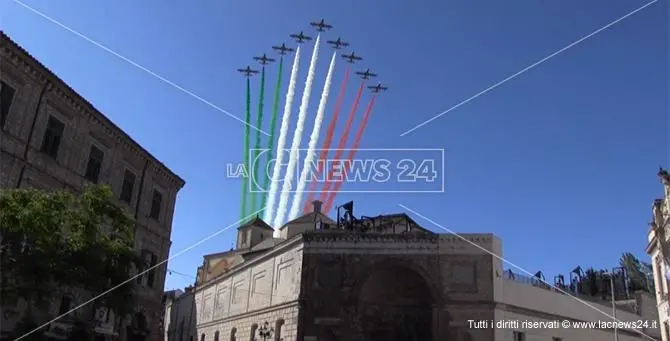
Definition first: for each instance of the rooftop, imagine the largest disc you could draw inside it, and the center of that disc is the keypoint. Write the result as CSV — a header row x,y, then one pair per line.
x,y
12,46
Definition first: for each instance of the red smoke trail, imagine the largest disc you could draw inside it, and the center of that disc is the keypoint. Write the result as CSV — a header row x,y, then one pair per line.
x,y
326,143
352,152
343,142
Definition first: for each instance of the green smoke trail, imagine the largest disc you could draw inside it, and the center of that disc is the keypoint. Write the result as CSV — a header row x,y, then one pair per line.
x,y
259,122
273,122
245,189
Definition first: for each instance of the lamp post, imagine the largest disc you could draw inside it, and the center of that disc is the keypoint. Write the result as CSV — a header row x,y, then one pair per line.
x,y
614,271
265,332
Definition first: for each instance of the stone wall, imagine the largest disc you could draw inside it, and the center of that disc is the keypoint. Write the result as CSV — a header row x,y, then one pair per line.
x,y
282,318
41,94
592,334
264,289
531,301
457,275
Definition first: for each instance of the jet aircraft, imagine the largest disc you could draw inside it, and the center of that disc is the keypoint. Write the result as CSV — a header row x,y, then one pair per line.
x,y
300,38
378,88
351,57
338,44
282,49
366,74
321,26
264,59
248,72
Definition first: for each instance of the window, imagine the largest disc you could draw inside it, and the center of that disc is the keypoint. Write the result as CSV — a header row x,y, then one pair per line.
x,y
65,304
150,260
216,336
659,278
94,164
52,137
252,335
6,99
278,326
666,328
151,275
556,339
156,202
243,235
127,187
202,337
519,336
232,334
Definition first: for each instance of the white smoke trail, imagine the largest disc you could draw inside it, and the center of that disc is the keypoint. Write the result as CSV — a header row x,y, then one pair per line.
x,y
313,140
281,143
297,136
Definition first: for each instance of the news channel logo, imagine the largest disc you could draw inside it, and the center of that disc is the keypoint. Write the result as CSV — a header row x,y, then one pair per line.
x,y
344,170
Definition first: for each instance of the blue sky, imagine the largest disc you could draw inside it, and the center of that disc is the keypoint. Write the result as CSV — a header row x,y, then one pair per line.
x,y
559,162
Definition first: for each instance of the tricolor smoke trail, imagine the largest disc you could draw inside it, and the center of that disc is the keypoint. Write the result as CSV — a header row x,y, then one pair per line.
x,y
313,140
342,143
257,146
328,140
245,182
283,131
273,123
352,153
297,136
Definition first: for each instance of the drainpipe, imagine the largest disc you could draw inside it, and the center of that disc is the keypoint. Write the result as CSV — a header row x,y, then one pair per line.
x,y
46,86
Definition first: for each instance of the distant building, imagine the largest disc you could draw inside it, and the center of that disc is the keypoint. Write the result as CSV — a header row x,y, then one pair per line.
x,y
52,138
170,311
659,251
180,316
381,278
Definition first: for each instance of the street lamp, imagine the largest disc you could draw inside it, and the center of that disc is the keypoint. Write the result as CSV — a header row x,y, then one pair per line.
x,y
615,270
265,332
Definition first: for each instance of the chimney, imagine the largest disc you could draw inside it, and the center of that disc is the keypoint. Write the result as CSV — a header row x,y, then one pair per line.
x,y
317,206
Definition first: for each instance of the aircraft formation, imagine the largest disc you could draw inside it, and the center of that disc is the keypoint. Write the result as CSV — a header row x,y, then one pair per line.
x,y
275,195
300,38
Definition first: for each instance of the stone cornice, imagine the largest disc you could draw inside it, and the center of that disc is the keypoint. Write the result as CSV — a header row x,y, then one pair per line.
x,y
345,236
421,243
335,235
31,66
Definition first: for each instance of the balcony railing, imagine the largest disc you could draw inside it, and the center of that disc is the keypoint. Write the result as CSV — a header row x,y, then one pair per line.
x,y
564,289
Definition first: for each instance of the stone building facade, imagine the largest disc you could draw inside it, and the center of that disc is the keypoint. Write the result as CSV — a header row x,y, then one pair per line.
x,y
659,251
52,138
180,316
382,279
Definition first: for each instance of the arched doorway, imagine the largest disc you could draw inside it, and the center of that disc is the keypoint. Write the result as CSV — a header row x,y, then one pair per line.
x,y
395,304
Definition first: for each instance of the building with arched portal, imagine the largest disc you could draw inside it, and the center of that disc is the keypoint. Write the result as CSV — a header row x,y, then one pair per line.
x,y
385,278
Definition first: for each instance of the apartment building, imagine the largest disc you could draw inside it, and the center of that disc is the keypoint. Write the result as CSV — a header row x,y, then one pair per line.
x,y
52,138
